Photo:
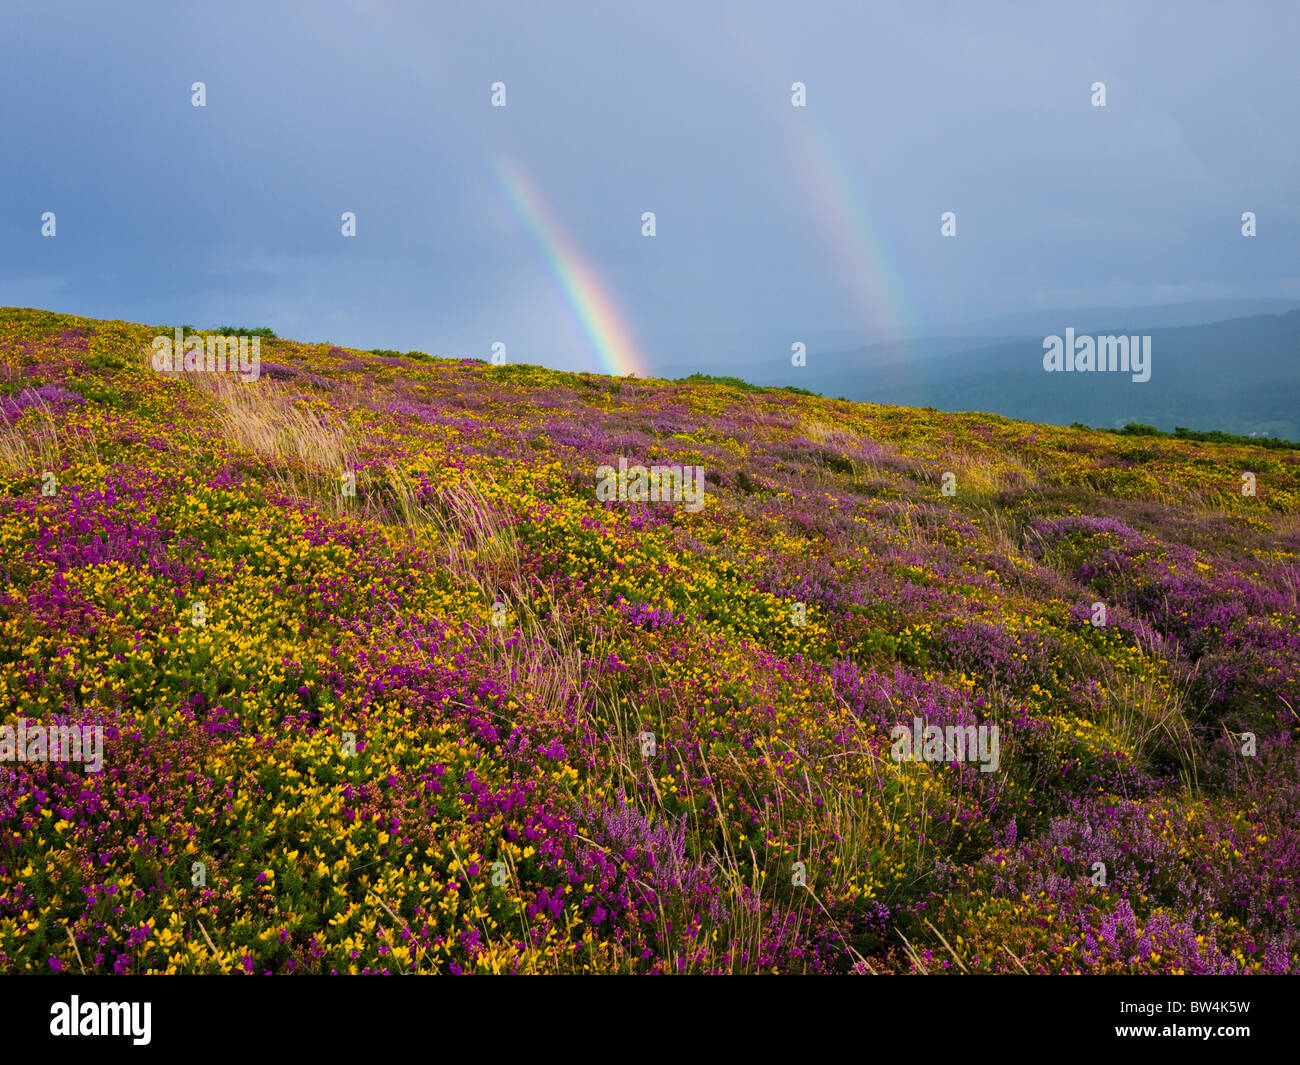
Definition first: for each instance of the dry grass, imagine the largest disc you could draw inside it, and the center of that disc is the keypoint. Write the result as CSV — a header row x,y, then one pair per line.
x,y
985,476
1142,712
1288,580
820,432
41,444
476,535
308,449
306,446
1003,532
282,431
553,663
1161,714
808,808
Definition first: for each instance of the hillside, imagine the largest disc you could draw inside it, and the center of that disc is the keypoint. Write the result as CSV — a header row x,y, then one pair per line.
x,y
471,718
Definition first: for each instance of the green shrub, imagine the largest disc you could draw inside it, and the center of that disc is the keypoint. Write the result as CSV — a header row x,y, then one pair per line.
x,y
243,331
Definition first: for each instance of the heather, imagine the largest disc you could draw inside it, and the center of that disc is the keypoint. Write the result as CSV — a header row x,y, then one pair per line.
x,y
467,718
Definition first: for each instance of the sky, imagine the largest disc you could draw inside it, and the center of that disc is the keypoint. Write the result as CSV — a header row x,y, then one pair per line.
x,y
523,225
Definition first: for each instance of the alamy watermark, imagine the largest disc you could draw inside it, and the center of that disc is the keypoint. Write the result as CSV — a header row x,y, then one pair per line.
x,y
220,354
656,484
77,1018
1113,354
950,743
53,743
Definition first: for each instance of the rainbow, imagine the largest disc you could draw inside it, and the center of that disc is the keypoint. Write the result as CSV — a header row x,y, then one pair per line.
x,y
838,198
595,310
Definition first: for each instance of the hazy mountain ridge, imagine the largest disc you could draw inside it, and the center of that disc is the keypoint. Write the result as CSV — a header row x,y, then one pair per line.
x,y
1241,376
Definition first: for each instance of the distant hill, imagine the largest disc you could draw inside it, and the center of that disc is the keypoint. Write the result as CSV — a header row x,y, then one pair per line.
x,y
1151,316
1240,376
